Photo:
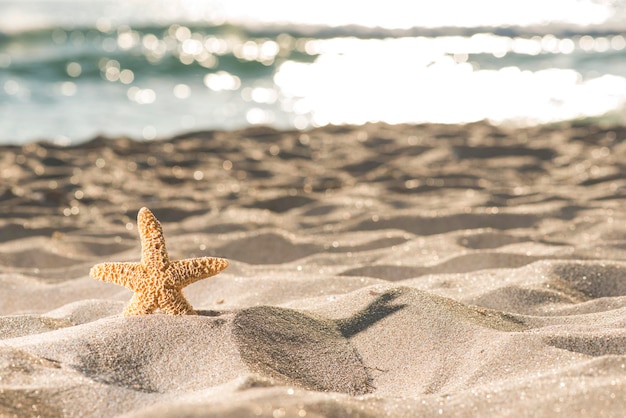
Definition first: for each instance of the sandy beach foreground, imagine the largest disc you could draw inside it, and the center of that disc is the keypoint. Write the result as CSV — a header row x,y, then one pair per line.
x,y
376,270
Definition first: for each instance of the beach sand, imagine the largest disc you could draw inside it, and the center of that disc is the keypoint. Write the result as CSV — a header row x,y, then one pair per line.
x,y
376,270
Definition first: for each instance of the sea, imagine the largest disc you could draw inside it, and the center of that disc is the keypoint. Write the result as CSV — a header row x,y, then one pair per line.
x,y
71,70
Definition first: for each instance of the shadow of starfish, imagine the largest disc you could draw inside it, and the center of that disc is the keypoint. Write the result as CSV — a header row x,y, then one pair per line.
x,y
305,349
374,312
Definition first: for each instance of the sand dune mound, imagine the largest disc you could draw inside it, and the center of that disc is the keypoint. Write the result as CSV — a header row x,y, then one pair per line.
x,y
300,349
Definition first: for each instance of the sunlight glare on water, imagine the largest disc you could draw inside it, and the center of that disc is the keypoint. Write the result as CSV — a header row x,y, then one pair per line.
x,y
428,80
150,68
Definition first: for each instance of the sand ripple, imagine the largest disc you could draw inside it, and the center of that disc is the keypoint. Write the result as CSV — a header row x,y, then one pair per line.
x,y
378,270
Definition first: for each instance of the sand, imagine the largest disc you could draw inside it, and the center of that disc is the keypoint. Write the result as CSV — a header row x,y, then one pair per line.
x,y
377,270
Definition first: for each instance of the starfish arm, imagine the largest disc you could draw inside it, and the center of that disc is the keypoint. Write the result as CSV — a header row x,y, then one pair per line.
x,y
185,272
139,306
153,251
173,302
123,274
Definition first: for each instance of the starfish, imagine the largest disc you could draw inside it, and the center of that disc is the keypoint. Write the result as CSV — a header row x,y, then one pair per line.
x,y
157,281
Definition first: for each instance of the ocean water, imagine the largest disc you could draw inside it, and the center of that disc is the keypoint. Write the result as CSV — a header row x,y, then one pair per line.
x,y
74,69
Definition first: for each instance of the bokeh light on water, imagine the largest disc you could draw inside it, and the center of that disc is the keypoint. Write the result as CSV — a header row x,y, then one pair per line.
x,y
149,69
450,80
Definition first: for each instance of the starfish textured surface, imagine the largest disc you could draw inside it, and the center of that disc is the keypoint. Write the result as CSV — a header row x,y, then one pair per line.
x,y
157,281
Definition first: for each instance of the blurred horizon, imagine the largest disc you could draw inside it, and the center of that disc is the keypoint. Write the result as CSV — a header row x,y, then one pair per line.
x,y
397,14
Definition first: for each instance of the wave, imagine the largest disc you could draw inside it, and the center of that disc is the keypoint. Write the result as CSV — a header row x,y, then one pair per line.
x,y
254,48
50,30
